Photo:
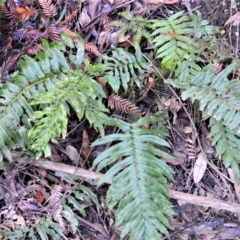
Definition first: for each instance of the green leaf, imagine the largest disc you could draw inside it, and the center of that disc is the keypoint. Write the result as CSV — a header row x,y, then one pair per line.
x,y
139,190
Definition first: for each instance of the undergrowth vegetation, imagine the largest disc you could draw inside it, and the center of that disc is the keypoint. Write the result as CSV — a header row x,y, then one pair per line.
x,y
37,101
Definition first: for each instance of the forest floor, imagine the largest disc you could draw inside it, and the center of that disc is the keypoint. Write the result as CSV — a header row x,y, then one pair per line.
x,y
206,209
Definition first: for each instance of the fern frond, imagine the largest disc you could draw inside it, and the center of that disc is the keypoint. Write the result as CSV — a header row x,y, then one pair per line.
x,y
47,229
79,91
53,32
227,144
218,96
36,75
136,25
23,13
174,38
48,8
8,64
107,29
92,48
122,66
123,105
139,187
44,229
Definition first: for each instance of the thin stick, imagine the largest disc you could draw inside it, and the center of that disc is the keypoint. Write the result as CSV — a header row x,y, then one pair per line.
x,y
87,174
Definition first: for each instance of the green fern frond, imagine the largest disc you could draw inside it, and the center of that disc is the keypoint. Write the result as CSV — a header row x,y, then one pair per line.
x,y
186,70
68,214
45,229
48,82
81,92
36,75
218,96
137,26
82,194
139,187
174,38
122,66
227,144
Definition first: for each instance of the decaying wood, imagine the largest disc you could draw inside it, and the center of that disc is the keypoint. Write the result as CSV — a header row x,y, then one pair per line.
x,y
190,198
60,167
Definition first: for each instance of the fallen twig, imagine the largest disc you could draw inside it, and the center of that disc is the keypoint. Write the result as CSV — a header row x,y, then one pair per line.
x,y
87,174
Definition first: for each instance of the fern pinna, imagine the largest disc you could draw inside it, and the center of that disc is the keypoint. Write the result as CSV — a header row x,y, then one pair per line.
x,y
41,75
173,38
219,98
139,187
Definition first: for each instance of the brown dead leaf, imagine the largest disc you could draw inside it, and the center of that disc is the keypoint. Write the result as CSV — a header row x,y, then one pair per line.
x,y
72,153
40,196
200,167
233,18
84,18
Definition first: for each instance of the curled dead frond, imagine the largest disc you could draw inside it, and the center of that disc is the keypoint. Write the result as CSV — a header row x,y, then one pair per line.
x,y
123,105
171,104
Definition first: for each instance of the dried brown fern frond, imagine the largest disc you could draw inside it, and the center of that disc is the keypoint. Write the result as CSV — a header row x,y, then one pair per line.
x,y
23,13
191,148
48,8
53,32
107,29
32,49
85,144
171,103
8,64
92,48
123,105
58,217
56,195
69,18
